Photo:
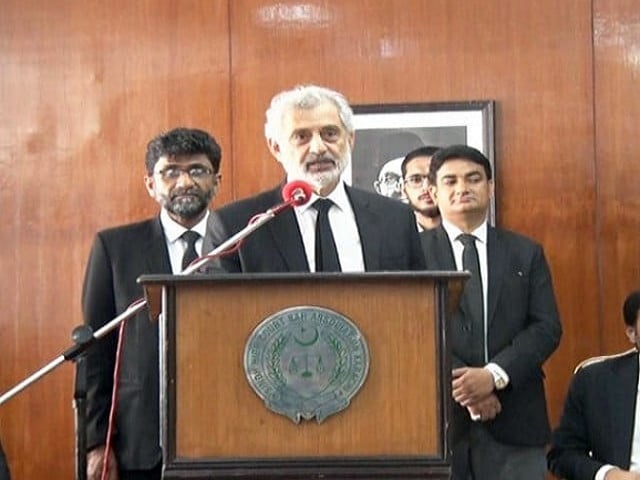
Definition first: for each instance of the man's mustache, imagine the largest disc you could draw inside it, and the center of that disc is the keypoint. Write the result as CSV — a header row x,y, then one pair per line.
x,y
323,159
186,191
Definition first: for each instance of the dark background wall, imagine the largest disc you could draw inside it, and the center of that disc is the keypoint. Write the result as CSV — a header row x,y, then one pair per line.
x,y
85,83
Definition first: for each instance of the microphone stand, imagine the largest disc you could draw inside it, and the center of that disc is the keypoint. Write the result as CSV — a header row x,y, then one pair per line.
x,y
232,241
80,336
73,352
84,338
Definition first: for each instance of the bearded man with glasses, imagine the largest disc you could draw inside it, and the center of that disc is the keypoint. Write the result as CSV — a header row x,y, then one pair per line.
x,y
182,176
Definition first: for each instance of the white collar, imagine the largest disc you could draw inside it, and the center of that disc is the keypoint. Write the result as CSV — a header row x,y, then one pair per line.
x,y
338,196
454,232
173,230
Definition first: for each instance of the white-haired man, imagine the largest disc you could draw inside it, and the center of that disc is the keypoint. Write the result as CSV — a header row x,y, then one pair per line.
x,y
309,130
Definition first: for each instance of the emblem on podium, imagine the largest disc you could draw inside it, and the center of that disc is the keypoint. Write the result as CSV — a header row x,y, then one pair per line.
x,y
306,362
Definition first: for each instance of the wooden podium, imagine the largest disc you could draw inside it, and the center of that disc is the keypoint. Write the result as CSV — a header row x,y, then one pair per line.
x,y
215,426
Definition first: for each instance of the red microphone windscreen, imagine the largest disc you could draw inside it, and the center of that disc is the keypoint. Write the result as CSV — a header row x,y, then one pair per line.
x,y
298,192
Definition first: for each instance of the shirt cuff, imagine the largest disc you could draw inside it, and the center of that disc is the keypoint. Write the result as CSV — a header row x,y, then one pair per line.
x,y
602,472
474,416
500,377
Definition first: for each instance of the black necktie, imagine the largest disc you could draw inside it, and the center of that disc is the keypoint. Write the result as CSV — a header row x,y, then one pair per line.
x,y
326,252
190,253
473,297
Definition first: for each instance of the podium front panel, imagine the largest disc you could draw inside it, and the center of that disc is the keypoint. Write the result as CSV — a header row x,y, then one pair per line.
x,y
215,423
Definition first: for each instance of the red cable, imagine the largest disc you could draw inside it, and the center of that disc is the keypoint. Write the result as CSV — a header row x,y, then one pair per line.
x,y
232,248
116,369
114,398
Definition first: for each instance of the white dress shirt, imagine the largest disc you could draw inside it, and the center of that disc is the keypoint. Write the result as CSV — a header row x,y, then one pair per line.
x,y
176,245
343,226
480,233
481,245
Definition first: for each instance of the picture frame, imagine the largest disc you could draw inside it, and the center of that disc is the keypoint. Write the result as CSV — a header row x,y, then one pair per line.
x,y
385,133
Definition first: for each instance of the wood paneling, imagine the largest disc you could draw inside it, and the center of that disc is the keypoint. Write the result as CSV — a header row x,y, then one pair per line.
x,y
381,420
533,58
617,110
85,84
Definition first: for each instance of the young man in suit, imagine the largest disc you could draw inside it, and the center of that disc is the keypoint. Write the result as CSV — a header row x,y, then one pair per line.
x,y
182,176
310,131
507,325
415,185
598,438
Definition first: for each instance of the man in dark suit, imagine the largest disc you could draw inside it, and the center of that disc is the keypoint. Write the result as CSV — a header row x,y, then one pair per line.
x,y
182,176
506,327
4,466
415,175
309,130
597,437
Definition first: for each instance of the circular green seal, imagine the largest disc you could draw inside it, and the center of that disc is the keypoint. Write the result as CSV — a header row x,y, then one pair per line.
x,y
306,362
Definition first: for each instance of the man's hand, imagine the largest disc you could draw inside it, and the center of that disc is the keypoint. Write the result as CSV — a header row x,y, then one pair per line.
x,y
617,474
94,464
470,385
486,409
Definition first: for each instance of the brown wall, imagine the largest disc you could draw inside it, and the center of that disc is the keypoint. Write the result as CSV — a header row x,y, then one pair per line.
x,y
85,83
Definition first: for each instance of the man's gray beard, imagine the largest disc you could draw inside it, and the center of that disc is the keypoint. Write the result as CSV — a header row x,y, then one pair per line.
x,y
189,208
322,179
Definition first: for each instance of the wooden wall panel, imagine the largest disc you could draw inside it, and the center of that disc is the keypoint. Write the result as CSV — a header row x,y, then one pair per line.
x,y
84,86
617,109
533,58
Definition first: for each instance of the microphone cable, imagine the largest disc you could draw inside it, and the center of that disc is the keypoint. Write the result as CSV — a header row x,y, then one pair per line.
x,y
114,396
294,193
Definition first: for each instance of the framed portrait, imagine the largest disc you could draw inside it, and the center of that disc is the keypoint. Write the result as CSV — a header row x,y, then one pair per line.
x,y
386,133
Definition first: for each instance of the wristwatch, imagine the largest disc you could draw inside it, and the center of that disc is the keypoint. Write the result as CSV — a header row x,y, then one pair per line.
x,y
499,382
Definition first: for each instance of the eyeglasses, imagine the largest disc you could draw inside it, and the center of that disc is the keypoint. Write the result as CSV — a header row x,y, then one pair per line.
x,y
416,181
196,172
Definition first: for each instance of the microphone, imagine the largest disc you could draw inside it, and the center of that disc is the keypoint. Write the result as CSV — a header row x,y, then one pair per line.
x,y
297,193
294,194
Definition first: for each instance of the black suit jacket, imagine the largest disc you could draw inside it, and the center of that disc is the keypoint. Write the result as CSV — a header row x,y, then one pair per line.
x,y
387,230
523,330
118,257
598,417
4,467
